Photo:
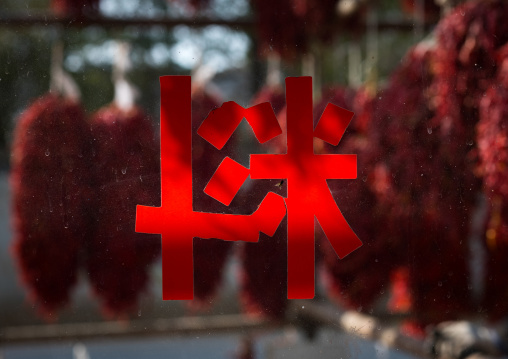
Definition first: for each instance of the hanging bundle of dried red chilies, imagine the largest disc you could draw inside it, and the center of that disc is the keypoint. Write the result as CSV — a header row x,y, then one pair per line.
x,y
468,59
210,255
357,280
492,135
126,173
414,205
464,65
430,213
264,264
492,139
51,195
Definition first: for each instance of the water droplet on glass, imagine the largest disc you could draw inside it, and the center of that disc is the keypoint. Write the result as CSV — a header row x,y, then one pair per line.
x,y
66,225
429,130
470,143
303,306
440,284
139,313
46,153
364,178
124,170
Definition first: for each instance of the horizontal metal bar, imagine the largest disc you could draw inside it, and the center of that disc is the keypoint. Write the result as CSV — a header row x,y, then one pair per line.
x,y
167,326
47,20
245,24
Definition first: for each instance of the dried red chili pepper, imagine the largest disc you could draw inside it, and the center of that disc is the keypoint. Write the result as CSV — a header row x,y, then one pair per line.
x,y
126,173
50,180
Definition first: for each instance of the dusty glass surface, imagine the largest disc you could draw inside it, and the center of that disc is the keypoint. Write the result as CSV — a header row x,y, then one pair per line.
x,y
428,202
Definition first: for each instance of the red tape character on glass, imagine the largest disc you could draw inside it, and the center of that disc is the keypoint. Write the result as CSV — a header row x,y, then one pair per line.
x,y
306,174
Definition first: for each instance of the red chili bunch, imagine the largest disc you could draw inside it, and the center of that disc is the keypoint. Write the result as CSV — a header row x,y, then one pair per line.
x,y
126,173
422,169
264,267
493,161
492,137
75,189
357,280
264,263
432,192
470,96
210,255
464,66
50,181
411,208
